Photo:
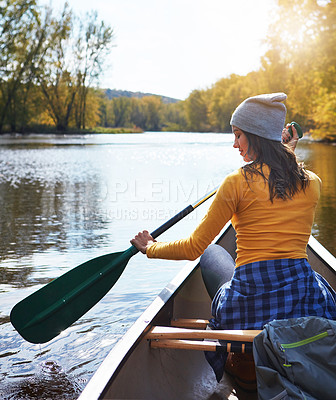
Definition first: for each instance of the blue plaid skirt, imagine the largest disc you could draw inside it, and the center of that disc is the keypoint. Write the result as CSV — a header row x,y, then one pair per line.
x,y
263,291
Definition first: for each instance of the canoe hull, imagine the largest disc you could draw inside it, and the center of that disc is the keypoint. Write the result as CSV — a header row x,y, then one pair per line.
x,y
133,370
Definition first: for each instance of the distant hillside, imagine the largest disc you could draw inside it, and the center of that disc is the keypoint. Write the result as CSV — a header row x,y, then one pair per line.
x,y
113,93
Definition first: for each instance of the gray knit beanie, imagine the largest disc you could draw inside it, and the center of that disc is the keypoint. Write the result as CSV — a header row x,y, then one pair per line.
x,y
262,115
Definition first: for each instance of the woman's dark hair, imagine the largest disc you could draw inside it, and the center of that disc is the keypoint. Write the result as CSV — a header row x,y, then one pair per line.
x,y
286,177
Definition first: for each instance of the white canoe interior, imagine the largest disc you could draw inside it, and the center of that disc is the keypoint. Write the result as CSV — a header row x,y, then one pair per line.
x,y
135,369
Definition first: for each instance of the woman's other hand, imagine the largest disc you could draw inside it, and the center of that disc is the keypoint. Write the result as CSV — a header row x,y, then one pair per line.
x,y
142,240
288,139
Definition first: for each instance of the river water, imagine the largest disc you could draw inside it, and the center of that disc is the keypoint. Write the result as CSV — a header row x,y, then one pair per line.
x,y
65,200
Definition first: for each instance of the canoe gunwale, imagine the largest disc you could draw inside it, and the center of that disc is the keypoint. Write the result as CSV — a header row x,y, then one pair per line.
x,y
118,356
322,253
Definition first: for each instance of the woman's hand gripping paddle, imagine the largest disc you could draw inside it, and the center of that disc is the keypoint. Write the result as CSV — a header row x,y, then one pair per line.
x,y
46,313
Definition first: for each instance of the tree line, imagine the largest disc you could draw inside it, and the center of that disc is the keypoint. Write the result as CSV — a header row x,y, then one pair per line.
x,y
50,64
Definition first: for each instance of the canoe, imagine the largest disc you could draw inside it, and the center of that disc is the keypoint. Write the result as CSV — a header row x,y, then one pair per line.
x,y
135,370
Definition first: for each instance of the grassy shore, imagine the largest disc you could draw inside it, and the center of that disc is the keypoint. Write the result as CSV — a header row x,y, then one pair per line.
x,y
113,130
45,129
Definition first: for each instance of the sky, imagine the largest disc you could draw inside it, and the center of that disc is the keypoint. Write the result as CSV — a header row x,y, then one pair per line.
x,y
172,47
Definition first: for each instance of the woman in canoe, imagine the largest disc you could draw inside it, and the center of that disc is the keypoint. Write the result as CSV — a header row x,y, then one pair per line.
x,y
271,203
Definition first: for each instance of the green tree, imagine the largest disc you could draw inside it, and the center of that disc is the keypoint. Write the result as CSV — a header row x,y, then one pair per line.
x,y
196,110
226,94
153,112
92,46
57,83
307,47
22,46
274,71
137,113
174,118
71,66
121,109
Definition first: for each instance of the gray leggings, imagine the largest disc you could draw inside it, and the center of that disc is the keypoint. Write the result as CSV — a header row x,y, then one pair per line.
x,y
217,267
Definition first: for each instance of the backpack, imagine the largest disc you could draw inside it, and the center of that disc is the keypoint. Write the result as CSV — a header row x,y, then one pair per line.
x,y
296,359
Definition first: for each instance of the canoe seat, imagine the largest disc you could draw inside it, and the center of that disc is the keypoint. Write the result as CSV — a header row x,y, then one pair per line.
x,y
183,335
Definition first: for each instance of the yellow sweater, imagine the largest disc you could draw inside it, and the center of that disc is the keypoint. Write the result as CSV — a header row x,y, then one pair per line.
x,y
265,230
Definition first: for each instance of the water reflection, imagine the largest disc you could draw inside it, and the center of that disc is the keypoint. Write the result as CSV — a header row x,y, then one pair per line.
x,y
33,214
38,218
321,158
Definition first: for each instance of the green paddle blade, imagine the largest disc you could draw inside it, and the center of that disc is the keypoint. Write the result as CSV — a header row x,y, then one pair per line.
x,y
46,313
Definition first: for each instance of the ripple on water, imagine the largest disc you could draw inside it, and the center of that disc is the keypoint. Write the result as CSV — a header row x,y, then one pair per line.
x,y
50,383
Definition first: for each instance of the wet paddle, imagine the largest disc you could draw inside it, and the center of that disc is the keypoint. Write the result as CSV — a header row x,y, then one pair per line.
x,y
44,314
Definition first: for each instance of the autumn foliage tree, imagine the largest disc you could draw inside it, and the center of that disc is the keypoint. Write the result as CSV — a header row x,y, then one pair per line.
x,y
23,45
307,48
41,52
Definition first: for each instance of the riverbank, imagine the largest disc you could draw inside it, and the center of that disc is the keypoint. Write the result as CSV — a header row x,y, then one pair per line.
x,y
73,131
43,130
327,140
112,130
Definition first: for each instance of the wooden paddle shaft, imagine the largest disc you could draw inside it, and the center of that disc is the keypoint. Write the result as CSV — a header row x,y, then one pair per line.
x,y
181,214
